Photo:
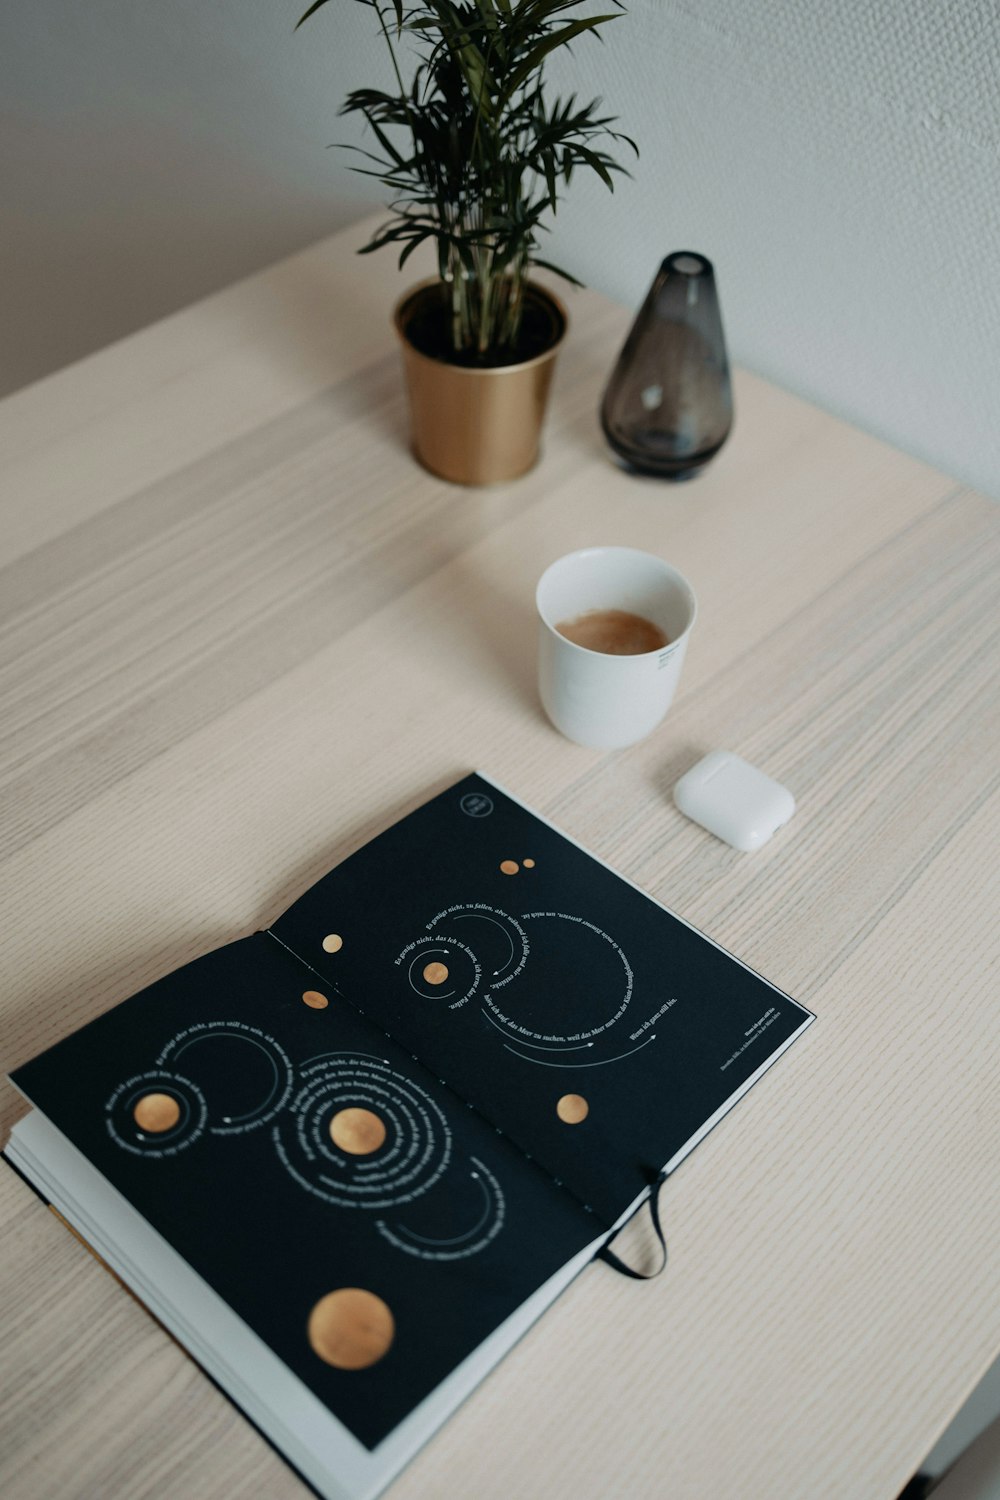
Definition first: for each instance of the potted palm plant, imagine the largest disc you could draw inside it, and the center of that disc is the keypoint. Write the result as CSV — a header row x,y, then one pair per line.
x,y
474,152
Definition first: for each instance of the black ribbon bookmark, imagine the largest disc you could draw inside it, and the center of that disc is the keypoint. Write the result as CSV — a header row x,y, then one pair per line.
x,y
617,1264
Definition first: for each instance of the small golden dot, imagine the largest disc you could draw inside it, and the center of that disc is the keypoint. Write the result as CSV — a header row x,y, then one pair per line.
x,y
333,942
436,973
572,1109
509,866
156,1113
351,1328
357,1131
529,864
314,999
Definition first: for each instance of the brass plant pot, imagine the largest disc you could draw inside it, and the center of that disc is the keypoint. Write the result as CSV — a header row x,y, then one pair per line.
x,y
477,425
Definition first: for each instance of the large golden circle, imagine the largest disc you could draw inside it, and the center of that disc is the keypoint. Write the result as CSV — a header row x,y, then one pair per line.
x,y
357,1131
509,866
333,942
155,1113
572,1109
351,1328
315,1000
436,973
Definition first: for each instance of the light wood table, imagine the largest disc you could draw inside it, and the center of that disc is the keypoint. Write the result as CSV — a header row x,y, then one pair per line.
x,y
242,631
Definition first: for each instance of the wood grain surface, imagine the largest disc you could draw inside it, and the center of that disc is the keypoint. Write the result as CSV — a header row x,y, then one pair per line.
x,y
241,631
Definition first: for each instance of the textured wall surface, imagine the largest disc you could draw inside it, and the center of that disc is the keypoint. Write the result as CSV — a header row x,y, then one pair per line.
x,y
154,152
841,165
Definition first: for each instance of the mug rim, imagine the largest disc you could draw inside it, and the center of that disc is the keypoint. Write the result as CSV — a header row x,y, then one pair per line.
x,y
669,569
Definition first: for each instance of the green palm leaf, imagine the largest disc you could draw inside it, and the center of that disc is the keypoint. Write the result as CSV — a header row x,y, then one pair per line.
x,y
471,150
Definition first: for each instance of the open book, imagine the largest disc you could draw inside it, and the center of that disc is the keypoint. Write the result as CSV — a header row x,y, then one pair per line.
x,y
349,1160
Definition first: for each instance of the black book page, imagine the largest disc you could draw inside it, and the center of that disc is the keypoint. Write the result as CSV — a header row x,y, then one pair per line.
x,y
594,1028
288,1150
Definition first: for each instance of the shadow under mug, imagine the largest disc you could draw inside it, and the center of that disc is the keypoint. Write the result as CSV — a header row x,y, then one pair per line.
x,y
596,699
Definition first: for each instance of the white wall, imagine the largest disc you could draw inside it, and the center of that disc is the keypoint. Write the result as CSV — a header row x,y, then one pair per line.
x,y
154,150
840,163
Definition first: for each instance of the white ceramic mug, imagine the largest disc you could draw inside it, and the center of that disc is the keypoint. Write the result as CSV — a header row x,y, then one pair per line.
x,y
596,699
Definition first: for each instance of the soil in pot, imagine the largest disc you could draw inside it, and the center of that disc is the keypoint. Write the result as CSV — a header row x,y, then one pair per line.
x,y
428,328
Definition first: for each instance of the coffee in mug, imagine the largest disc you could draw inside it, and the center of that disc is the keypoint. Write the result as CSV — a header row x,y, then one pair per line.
x,y
614,632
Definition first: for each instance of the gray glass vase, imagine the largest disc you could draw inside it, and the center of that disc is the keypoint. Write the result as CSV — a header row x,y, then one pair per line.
x,y
668,406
